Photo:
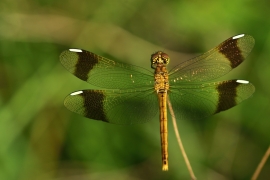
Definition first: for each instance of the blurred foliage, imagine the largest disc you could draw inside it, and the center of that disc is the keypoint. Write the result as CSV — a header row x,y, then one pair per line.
x,y
40,139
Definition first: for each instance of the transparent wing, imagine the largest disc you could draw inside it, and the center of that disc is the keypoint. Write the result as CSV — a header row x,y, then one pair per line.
x,y
105,73
197,101
214,63
114,106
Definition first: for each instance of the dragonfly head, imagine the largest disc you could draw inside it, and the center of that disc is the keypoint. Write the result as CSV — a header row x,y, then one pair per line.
x,y
159,58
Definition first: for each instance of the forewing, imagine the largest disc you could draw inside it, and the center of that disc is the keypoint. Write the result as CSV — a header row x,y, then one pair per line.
x,y
214,63
114,106
103,72
197,101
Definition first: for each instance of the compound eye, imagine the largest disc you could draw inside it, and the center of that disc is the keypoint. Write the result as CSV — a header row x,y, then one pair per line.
x,y
155,57
165,57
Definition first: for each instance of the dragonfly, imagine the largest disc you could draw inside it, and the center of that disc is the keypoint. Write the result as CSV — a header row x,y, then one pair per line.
x,y
131,94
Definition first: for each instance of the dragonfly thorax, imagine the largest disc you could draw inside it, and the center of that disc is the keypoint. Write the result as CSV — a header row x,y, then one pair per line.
x,y
161,78
159,58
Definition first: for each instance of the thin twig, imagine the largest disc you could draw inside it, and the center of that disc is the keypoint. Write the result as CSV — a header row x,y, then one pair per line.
x,y
261,164
179,141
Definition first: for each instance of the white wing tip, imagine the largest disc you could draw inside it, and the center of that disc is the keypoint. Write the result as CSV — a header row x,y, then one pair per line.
x,y
75,50
238,36
242,81
76,93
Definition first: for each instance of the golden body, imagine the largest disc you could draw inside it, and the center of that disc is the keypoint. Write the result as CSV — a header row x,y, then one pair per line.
x,y
159,61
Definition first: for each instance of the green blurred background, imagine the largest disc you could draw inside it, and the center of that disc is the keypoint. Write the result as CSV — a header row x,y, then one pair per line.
x,y
41,139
